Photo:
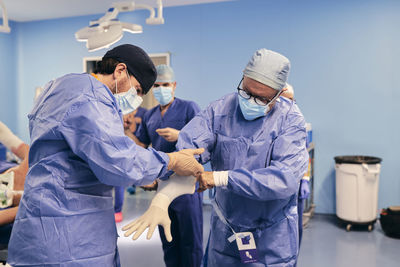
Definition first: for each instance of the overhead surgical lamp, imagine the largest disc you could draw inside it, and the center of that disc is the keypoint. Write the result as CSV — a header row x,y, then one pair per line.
x,y
107,30
4,27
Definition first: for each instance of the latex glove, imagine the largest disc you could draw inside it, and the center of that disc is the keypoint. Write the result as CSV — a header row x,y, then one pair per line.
x,y
169,134
304,189
150,187
206,181
157,213
184,163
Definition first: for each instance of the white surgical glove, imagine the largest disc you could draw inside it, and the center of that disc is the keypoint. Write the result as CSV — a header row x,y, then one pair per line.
x,y
8,139
157,213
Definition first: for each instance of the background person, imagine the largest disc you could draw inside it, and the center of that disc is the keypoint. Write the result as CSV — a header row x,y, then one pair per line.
x,y
160,127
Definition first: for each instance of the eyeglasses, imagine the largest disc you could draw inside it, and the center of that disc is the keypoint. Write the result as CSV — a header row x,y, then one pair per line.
x,y
262,101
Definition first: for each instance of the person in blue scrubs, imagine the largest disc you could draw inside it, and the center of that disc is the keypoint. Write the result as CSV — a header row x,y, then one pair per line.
x,y
78,153
131,123
255,141
160,127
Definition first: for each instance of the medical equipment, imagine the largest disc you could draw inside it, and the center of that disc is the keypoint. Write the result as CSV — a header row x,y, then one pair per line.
x,y
7,191
4,27
107,30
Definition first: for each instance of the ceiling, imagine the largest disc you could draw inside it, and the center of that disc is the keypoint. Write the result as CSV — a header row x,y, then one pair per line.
x,y
29,10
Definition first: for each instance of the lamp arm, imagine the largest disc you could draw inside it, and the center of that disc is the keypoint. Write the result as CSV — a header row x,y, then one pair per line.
x,y
4,27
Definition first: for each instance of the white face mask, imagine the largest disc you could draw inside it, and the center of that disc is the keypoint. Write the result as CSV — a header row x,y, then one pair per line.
x,y
127,101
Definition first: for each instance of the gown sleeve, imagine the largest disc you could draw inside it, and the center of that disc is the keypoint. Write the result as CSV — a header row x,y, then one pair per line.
x,y
94,131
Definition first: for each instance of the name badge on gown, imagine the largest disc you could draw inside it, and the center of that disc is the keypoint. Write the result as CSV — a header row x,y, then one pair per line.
x,y
246,245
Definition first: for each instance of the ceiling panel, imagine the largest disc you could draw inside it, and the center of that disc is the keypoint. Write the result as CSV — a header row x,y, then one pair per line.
x,y
29,10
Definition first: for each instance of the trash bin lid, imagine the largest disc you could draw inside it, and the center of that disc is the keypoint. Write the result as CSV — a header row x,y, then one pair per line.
x,y
357,159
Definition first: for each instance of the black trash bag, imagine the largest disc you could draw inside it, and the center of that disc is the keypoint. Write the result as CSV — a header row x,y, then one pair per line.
x,y
390,221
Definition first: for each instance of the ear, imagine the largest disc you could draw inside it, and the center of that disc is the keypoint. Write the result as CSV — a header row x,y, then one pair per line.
x,y
173,88
119,71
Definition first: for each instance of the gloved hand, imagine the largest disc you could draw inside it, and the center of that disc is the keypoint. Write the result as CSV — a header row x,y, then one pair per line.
x,y
304,189
183,162
157,213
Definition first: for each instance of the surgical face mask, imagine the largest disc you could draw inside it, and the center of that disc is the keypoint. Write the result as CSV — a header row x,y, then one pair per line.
x,y
127,101
163,94
7,190
251,110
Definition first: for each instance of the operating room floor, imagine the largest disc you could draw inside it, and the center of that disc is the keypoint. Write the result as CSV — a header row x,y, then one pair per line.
x,y
324,243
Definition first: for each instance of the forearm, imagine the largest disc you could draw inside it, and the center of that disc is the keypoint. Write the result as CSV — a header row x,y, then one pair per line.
x,y
8,215
22,151
277,181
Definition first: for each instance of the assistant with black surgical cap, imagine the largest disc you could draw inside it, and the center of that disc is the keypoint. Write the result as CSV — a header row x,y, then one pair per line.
x,y
78,153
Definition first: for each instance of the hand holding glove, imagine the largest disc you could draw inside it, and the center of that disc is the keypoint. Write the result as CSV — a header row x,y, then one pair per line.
x,y
150,187
157,213
184,163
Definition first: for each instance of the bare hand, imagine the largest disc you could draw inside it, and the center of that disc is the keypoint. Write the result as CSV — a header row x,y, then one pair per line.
x,y
206,181
169,134
150,187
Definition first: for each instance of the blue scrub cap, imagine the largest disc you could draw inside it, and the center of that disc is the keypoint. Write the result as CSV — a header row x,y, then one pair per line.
x,y
268,67
165,74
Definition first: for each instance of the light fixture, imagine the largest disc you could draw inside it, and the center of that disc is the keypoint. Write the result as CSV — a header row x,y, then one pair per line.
x,y
108,30
4,27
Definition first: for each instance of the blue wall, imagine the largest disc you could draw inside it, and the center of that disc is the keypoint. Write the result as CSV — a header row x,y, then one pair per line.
x,y
8,77
344,58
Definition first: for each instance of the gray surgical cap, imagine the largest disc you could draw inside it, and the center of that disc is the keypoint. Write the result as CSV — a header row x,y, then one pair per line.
x,y
269,68
165,74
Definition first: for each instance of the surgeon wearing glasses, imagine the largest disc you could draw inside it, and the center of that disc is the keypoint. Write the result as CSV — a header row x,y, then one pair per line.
x,y
255,141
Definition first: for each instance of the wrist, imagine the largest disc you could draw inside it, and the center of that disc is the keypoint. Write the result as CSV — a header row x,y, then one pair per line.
x,y
220,178
161,200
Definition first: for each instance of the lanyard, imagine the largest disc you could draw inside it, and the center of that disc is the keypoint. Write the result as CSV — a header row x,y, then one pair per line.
x,y
222,218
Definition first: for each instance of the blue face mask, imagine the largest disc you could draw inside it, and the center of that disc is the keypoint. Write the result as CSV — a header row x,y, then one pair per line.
x,y
128,101
251,110
163,94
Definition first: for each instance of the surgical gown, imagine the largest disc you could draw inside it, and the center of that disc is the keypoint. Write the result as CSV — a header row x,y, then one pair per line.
x,y
78,153
265,159
186,248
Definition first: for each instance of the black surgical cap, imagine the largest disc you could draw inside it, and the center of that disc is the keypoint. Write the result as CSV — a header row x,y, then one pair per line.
x,y
138,62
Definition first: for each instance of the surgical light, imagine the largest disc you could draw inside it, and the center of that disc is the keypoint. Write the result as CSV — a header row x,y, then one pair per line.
x,y
107,30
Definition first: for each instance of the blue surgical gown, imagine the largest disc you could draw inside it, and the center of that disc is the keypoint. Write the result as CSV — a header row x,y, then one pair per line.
x,y
78,153
265,159
5,165
186,248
